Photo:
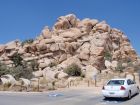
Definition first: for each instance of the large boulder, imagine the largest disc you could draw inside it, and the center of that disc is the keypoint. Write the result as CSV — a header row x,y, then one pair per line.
x,y
65,22
49,74
98,51
44,62
54,47
73,33
70,61
87,24
46,33
107,64
84,51
114,64
38,73
97,61
91,71
12,45
58,39
62,75
103,26
21,50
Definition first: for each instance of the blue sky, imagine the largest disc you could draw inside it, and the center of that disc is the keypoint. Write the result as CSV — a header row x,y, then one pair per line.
x,y
24,19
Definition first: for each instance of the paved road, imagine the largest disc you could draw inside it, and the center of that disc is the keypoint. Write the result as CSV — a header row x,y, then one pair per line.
x,y
67,97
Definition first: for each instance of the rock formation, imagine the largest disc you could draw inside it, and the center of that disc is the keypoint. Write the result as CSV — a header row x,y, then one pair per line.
x,y
86,42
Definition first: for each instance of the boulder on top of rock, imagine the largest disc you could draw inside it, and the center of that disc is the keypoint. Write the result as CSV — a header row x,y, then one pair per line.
x,y
46,33
103,26
73,33
12,45
65,22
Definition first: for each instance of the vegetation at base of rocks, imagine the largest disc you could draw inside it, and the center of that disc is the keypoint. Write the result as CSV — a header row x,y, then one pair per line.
x,y
73,70
17,59
107,56
4,69
27,41
22,72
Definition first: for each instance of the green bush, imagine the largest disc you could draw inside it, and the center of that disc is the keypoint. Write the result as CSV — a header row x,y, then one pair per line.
x,y
108,56
21,72
25,70
4,69
28,41
73,70
17,59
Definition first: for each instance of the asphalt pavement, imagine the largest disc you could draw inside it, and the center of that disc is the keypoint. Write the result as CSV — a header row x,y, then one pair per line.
x,y
65,97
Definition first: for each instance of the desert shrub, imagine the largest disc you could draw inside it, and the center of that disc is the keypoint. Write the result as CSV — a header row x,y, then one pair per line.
x,y
21,72
25,70
107,56
73,70
4,69
17,59
28,41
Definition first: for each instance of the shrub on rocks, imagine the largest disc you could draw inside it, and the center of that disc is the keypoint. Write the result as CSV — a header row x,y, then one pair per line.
x,y
17,59
107,56
73,70
27,41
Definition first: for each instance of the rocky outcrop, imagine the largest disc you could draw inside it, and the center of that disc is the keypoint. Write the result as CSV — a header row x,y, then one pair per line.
x,y
71,40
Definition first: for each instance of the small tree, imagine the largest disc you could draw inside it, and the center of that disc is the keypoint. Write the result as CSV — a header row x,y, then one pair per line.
x,y
73,70
17,59
21,72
